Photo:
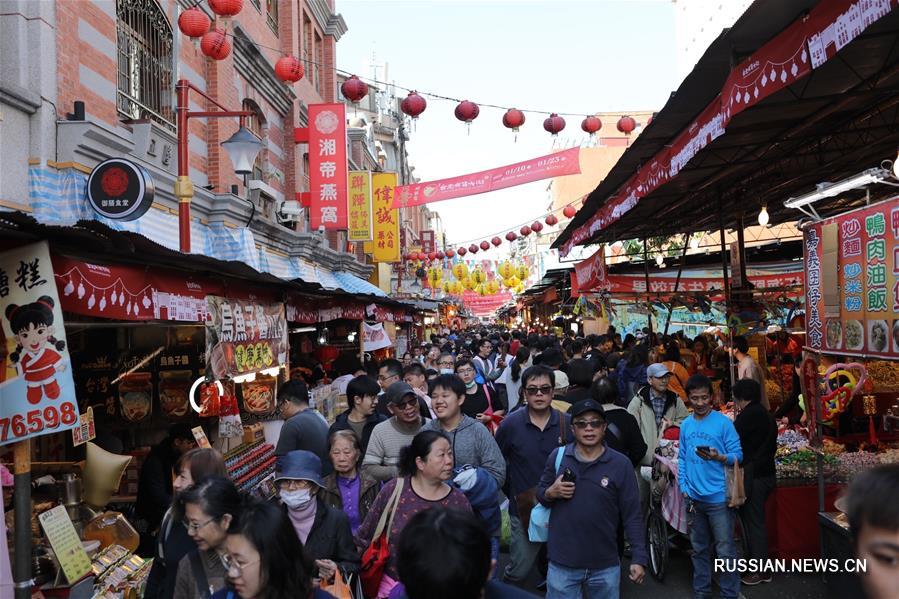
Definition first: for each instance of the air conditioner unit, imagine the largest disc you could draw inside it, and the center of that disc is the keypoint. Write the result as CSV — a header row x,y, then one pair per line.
x,y
290,211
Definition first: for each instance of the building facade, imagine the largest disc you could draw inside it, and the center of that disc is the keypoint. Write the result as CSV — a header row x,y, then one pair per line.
x,y
82,81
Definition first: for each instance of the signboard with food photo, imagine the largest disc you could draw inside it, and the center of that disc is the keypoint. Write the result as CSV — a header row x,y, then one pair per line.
x,y
244,337
177,372
136,389
866,273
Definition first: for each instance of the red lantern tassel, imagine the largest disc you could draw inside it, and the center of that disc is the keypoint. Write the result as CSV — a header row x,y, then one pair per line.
x,y
872,433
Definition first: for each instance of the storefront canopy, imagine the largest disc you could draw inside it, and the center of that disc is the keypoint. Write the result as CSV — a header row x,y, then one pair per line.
x,y
813,98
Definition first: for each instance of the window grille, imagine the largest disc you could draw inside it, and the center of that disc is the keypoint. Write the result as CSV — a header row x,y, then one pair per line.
x,y
144,41
271,14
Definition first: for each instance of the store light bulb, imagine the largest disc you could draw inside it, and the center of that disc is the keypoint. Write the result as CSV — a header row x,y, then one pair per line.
x,y
660,260
763,216
322,340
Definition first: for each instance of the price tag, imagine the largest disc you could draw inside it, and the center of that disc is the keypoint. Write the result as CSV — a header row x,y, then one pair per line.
x,y
86,431
66,545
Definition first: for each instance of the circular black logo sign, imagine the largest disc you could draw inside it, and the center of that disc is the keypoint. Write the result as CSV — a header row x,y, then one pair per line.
x,y
120,190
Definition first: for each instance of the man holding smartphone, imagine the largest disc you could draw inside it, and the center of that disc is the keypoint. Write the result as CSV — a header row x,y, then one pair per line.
x,y
708,443
591,491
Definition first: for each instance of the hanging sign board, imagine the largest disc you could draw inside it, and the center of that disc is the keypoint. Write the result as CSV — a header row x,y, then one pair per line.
x,y
120,189
37,393
360,206
374,337
386,244
327,166
243,336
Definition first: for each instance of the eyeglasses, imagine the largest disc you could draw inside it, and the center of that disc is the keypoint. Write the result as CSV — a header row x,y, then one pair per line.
x,y
584,424
465,371
446,363
193,526
542,390
388,377
408,403
232,565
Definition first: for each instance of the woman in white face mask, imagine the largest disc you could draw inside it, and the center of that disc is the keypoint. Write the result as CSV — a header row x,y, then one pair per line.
x,y
324,531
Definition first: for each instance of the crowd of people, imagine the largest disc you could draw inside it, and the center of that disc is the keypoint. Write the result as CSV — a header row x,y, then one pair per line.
x,y
403,492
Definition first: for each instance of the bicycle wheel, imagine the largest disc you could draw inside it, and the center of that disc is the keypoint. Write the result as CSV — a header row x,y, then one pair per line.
x,y
657,540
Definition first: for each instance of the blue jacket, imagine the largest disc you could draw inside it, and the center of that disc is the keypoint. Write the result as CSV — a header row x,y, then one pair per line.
x,y
629,379
703,480
483,495
583,530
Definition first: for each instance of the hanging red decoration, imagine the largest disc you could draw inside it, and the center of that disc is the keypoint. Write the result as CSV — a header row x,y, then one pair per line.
x,y
467,111
354,89
432,255
413,105
511,236
525,231
485,246
513,119
554,124
461,251
473,249
626,125
591,125
551,220
215,44
496,241
569,211
226,8
440,255
193,22
289,69
450,253
536,226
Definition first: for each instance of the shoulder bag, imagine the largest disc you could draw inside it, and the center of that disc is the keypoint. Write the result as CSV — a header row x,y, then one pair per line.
x,y
538,528
377,555
736,492
526,500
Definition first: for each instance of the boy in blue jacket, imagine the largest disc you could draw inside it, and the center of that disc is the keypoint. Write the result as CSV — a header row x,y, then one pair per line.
x,y
708,443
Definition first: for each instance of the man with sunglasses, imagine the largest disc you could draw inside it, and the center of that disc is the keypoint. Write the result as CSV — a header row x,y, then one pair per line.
x,y
526,438
390,436
592,489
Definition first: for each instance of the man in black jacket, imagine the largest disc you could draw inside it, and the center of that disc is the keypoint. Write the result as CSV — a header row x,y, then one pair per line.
x,y
622,433
758,438
361,416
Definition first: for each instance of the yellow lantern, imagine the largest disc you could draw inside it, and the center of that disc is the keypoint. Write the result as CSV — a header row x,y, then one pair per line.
x,y
458,288
478,276
492,286
435,275
519,289
506,269
468,283
511,282
522,272
481,289
460,270
447,287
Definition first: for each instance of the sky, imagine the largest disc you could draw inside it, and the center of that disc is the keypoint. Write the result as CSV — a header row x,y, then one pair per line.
x,y
566,57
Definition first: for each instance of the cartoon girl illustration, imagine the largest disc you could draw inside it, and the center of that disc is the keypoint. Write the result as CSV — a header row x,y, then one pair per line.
x,y
32,325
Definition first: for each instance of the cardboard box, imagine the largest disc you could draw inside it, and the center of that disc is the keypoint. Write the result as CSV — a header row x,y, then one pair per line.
x,y
253,433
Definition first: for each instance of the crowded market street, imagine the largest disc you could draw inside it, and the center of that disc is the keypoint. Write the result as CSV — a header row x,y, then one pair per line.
x,y
380,299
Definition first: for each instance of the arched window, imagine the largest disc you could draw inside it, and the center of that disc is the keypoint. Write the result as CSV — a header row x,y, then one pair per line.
x,y
256,125
144,40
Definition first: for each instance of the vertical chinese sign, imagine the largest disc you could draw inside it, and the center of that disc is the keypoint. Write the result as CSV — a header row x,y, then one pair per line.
x,y
327,166
37,393
360,206
868,279
386,244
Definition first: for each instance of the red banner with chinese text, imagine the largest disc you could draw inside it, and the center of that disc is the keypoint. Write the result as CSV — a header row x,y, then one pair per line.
x,y
566,162
485,305
327,166
591,273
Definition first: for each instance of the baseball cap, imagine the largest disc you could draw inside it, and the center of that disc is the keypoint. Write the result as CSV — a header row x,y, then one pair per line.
x,y
657,370
584,406
398,390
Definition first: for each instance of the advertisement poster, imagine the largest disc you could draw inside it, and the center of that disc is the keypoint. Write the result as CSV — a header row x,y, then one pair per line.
x,y
386,244
327,166
591,273
360,206
867,278
244,336
37,393
374,337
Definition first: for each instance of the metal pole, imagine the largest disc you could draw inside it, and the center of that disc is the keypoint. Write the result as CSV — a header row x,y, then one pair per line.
x,y
646,274
184,188
680,270
22,507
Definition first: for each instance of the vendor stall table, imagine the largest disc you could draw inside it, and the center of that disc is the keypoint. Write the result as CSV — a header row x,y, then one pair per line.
x,y
792,520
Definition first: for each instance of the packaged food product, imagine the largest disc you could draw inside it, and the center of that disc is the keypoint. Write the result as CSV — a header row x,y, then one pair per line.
x,y
135,396
259,396
173,388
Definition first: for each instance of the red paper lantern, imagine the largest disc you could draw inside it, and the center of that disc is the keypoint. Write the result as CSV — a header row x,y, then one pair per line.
x,y
467,111
554,124
569,211
485,246
413,105
511,236
354,89
473,249
536,226
226,8
450,253
525,231
496,241
591,125
513,119
626,125
551,220
461,251
215,44
440,255
193,22
288,69
432,255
